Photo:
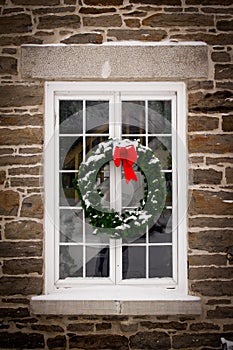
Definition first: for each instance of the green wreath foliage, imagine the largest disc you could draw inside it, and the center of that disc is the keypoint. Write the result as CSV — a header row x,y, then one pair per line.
x,y
129,223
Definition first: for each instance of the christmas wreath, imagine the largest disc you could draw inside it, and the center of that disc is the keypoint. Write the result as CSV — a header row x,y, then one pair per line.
x,y
129,223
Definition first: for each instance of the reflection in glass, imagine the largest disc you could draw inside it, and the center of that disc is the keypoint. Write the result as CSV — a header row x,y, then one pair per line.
x,y
133,191
71,261
133,117
134,262
162,150
161,231
135,240
160,261
168,177
71,152
71,117
97,117
97,261
68,195
94,238
92,142
159,117
71,225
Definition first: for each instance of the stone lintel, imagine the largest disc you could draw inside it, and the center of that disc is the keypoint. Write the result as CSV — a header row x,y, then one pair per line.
x,y
138,61
115,307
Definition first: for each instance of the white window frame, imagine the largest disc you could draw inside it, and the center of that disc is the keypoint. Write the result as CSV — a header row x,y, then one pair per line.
x,y
136,88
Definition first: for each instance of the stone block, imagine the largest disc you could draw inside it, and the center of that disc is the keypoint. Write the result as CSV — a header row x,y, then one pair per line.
x,y
210,39
164,325
219,101
21,120
132,23
202,123
21,23
21,340
178,19
19,40
96,10
210,143
2,177
32,206
114,61
227,123
24,229
212,203
20,249
8,65
195,340
201,273
225,25
150,340
21,136
220,57
204,326
98,341
58,342
211,240
213,288
22,266
53,21
9,202
207,260
81,327
221,312
20,285
229,175
26,182
47,328
103,2
207,2
157,2
22,160
20,95
141,34
205,176
86,38
223,71
36,170
19,312
57,10
103,21
103,326
36,2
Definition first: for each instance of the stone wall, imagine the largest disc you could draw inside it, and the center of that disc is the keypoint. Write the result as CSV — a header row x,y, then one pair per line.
x,y
210,126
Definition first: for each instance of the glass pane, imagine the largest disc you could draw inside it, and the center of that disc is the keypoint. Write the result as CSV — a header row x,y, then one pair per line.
x,y
160,261
142,139
71,152
133,191
168,177
133,117
68,195
71,261
71,117
161,231
162,150
71,225
92,142
97,261
94,238
135,240
97,117
103,184
134,262
159,117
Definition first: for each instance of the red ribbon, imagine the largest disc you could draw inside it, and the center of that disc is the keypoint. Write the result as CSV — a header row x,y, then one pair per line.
x,y
128,156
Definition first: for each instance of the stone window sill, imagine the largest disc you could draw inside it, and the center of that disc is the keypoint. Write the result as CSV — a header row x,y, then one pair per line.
x,y
90,301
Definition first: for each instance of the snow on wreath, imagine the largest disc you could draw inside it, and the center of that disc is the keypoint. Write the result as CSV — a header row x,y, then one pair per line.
x,y
129,223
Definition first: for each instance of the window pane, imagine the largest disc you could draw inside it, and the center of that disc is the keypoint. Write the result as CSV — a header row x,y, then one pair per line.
x,y
160,261
133,117
94,238
92,142
161,231
135,240
134,262
162,150
71,117
71,152
159,117
71,261
133,191
168,177
68,195
97,261
97,117
71,225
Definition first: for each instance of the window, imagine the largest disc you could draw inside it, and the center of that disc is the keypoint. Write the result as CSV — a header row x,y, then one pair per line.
x,y
79,116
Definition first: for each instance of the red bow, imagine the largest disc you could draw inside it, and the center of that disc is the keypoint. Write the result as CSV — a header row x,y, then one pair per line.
x,y
128,156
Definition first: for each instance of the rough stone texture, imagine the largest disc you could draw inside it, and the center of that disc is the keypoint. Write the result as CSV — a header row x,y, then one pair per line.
x,y
15,24
202,123
220,101
142,34
24,230
20,95
20,249
103,21
58,342
22,266
213,288
50,22
165,20
229,175
111,62
20,285
21,120
21,340
203,176
223,71
148,340
8,65
210,143
227,123
9,202
101,341
25,136
32,206
103,2
86,38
